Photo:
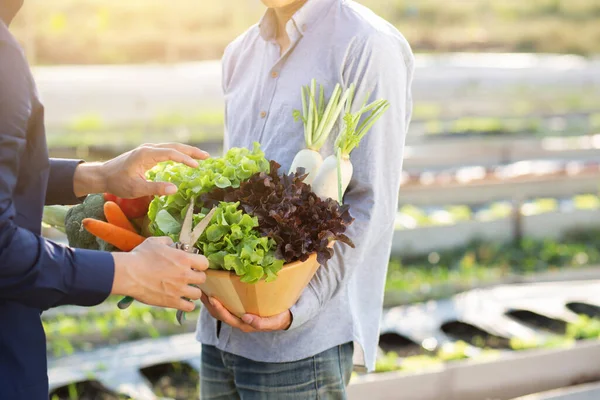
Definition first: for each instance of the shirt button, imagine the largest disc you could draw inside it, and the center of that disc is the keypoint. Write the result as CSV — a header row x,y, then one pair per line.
x,y
263,114
304,27
274,74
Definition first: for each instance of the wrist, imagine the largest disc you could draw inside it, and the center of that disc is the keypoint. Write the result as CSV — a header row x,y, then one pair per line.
x,y
123,284
89,178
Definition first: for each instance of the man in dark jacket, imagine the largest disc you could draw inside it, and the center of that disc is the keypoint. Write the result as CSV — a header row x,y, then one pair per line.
x,y
36,274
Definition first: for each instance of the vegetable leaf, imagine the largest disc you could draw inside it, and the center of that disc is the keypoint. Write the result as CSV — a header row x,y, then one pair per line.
x,y
166,223
232,243
289,213
237,165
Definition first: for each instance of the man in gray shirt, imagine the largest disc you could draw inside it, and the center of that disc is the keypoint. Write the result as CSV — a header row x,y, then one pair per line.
x,y
307,352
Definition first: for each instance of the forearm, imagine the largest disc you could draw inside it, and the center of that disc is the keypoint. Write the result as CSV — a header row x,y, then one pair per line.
x,y
370,232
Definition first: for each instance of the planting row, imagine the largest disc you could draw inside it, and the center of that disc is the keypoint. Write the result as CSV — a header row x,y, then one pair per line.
x,y
401,354
516,319
480,126
500,174
411,217
493,152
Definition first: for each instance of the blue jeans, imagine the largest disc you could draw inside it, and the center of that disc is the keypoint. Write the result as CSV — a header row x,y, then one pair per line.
x,y
224,376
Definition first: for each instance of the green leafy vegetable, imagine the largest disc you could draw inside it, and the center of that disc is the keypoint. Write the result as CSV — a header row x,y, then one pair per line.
x,y
289,212
166,223
237,165
231,242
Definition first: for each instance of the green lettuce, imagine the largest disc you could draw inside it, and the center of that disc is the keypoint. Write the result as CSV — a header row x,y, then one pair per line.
x,y
236,166
232,240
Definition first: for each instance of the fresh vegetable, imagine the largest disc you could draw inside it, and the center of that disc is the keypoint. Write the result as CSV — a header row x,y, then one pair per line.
x,y
264,219
115,216
132,208
92,207
237,165
335,174
232,242
290,213
54,216
120,238
318,123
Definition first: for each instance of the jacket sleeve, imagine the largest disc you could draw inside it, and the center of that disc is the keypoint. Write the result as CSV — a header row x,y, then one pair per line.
x,y
34,271
381,67
60,183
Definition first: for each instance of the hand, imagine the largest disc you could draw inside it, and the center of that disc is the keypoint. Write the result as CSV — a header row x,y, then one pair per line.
x,y
156,274
124,176
248,322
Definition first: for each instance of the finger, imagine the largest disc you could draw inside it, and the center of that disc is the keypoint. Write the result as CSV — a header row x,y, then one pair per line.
x,y
159,240
261,323
195,262
204,300
195,277
199,262
184,305
224,315
191,151
191,292
211,310
158,155
156,189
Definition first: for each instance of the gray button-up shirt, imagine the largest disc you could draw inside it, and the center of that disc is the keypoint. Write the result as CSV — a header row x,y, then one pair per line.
x,y
332,41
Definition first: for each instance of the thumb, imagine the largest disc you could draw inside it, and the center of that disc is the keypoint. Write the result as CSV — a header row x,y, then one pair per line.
x,y
157,188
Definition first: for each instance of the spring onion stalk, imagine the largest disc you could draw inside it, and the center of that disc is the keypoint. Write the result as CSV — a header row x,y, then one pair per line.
x,y
334,175
319,119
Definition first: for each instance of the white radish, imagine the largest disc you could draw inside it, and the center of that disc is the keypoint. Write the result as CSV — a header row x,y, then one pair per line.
x,y
310,160
318,120
335,174
326,183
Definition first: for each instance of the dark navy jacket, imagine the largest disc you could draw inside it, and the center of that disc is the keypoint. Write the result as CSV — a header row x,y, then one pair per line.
x,y
35,274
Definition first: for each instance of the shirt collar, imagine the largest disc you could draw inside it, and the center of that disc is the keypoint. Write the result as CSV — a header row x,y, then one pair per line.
x,y
306,17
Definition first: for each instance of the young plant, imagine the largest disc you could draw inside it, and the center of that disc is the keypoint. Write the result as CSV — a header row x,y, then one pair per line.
x,y
318,122
335,173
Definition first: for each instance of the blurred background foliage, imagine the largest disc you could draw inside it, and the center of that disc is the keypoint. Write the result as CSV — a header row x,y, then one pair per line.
x,y
139,31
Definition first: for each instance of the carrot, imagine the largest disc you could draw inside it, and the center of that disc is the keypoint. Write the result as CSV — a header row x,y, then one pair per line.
x,y
115,216
121,238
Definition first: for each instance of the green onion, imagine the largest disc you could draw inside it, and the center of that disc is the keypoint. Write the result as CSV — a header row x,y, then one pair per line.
x,y
319,118
350,137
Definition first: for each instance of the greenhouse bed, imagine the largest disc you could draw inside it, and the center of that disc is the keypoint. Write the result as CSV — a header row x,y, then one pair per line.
x,y
489,152
513,375
551,225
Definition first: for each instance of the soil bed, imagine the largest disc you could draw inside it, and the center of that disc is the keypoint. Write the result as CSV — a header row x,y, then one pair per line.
x,y
88,390
178,381
400,345
538,321
474,336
